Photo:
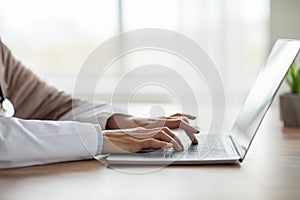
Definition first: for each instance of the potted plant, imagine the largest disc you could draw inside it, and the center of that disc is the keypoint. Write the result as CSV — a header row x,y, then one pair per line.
x,y
290,102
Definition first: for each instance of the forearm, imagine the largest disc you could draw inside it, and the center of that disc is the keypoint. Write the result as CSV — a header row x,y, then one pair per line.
x,y
121,121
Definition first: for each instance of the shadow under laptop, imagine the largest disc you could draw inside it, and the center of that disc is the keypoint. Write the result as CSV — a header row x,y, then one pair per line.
x,y
144,169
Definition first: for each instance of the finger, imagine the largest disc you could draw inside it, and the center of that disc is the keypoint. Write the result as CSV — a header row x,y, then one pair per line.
x,y
192,137
172,124
184,115
154,143
144,133
177,123
171,134
182,118
165,137
164,128
190,131
161,133
195,141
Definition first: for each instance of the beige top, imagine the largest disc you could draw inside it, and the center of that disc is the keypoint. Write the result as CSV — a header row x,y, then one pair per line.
x,y
32,97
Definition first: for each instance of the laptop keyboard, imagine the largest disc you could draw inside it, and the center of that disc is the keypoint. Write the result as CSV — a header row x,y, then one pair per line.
x,y
208,147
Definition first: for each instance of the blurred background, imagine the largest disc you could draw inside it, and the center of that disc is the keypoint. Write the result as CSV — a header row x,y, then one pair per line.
x,y
53,38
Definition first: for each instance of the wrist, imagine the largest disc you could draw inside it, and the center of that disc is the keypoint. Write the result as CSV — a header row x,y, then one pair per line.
x,y
119,121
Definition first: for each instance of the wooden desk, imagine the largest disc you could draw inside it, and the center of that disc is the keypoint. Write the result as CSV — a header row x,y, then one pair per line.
x,y
270,171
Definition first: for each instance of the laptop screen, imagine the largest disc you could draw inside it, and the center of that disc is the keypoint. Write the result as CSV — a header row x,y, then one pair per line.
x,y
263,92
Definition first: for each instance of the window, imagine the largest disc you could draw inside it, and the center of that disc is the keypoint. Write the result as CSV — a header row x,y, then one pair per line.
x,y
53,38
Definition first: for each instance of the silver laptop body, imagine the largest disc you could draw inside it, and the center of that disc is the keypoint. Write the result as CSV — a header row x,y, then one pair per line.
x,y
232,147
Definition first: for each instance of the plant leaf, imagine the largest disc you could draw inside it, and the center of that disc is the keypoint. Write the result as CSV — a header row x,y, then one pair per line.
x,y
298,81
293,70
293,79
289,81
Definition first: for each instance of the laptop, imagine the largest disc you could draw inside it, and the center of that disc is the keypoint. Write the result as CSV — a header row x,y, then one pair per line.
x,y
229,147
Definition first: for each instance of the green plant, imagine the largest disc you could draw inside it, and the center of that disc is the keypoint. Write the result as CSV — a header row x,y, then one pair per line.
x,y
293,79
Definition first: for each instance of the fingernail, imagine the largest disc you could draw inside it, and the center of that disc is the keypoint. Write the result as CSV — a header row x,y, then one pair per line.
x,y
195,141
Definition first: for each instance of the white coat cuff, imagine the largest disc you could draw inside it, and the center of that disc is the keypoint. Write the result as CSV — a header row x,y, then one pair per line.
x,y
100,141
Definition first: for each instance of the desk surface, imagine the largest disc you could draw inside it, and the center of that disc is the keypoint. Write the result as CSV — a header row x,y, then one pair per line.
x,y
271,171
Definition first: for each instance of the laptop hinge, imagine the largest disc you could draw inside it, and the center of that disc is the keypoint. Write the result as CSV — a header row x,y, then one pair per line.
x,y
236,146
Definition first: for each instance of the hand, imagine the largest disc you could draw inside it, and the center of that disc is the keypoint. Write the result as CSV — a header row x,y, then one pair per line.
x,y
172,122
133,140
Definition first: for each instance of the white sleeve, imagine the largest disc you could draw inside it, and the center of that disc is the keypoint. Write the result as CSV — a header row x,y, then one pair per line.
x,y
35,142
